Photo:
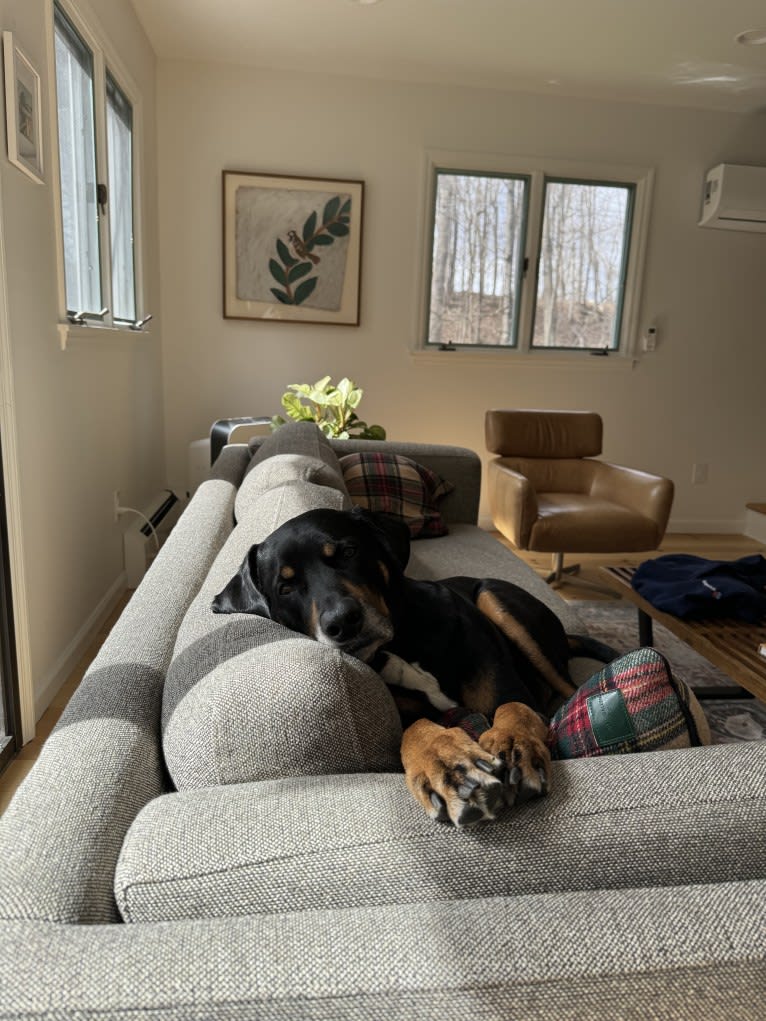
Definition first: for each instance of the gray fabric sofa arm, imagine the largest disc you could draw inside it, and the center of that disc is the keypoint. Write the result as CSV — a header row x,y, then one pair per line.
x,y
674,952
62,833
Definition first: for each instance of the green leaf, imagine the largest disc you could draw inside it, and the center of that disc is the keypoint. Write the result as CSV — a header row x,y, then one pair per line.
x,y
338,230
281,296
277,272
300,388
355,397
276,421
294,406
322,384
302,291
299,271
309,226
323,239
374,432
284,254
345,209
345,386
331,209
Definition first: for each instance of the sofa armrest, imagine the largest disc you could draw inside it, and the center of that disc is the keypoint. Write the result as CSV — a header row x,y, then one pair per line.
x,y
512,501
62,832
650,495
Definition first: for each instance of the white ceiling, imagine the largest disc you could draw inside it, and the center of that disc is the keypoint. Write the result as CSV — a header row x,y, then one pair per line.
x,y
681,52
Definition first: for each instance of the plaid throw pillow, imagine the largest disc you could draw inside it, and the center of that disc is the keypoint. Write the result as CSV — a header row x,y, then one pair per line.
x,y
633,705
392,484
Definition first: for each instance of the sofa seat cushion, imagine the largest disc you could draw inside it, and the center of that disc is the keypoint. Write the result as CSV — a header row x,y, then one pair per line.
x,y
653,819
471,551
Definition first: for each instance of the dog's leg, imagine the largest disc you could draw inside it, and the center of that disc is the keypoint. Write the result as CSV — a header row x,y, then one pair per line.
x,y
411,675
518,737
452,777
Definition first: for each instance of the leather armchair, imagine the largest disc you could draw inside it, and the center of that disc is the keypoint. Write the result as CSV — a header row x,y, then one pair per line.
x,y
548,493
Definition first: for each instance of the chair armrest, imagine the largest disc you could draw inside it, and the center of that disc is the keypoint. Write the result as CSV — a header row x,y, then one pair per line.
x,y
512,501
650,495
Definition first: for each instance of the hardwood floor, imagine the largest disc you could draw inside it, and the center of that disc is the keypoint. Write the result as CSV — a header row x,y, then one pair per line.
x,y
716,547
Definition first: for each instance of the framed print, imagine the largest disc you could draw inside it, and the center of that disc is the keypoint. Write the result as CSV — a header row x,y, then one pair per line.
x,y
22,111
292,248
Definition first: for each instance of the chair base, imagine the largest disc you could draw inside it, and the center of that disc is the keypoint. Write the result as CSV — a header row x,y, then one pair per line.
x,y
557,577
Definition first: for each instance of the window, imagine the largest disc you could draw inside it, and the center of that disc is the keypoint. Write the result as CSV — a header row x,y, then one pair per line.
x,y
534,259
96,168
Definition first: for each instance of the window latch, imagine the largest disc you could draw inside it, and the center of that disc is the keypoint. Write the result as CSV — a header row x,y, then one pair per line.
x,y
102,194
82,318
140,323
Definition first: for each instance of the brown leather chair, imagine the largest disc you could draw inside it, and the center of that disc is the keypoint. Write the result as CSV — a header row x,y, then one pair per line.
x,y
547,493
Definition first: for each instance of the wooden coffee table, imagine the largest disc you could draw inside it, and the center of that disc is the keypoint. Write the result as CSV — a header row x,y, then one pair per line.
x,y
731,645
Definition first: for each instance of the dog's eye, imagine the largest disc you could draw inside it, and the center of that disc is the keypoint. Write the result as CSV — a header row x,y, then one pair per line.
x,y
284,588
349,550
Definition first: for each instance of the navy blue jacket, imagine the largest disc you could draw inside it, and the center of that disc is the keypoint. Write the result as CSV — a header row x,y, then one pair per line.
x,y
688,586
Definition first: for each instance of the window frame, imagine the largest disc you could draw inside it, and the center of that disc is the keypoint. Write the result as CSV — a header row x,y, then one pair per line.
x,y
539,171
105,62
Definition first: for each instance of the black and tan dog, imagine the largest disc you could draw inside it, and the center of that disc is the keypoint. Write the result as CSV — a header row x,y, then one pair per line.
x,y
486,645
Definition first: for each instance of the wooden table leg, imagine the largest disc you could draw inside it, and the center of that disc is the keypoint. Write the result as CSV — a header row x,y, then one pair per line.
x,y
645,630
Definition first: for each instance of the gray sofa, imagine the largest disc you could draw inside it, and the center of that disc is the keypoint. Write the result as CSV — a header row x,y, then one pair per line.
x,y
217,827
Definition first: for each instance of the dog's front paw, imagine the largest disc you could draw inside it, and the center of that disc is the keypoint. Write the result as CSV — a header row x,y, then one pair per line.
x,y
519,738
452,777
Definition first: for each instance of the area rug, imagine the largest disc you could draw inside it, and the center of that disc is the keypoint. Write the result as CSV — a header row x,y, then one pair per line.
x,y
731,720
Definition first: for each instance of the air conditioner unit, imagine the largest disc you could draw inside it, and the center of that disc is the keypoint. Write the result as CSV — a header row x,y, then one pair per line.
x,y
735,198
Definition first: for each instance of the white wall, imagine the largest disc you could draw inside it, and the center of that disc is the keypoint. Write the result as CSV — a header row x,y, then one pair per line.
x,y
89,419
698,398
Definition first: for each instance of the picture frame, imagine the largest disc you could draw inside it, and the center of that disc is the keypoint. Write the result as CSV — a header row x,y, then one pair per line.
x,y
278,230
23,117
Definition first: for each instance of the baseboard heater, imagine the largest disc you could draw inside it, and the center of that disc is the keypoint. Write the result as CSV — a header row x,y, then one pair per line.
x,y
139,542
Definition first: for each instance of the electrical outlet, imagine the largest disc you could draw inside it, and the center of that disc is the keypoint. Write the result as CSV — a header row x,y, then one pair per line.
x,y
116,505
699,473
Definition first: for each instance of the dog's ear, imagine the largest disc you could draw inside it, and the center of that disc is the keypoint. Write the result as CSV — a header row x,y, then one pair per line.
x,y
390,531
242,594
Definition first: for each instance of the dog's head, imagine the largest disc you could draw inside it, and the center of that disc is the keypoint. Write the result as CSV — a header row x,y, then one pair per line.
x,y
326,574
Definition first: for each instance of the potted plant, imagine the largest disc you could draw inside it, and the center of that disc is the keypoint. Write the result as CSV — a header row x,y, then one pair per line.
x,y
331,407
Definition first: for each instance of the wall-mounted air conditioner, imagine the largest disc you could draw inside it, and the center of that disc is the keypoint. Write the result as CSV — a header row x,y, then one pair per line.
x,y
735,198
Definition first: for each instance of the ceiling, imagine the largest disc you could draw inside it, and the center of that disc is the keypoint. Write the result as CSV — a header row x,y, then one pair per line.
x,y
680,52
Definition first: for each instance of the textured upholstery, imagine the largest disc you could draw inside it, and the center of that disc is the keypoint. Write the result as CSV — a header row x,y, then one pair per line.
x,y
675,816
246,699
630,893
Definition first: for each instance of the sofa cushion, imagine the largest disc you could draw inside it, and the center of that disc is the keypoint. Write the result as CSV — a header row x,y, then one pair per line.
x,y
279,473
335,842
390,484
246,699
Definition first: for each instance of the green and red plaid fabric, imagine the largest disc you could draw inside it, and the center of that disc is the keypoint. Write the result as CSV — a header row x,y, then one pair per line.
x,y
393,484
633,704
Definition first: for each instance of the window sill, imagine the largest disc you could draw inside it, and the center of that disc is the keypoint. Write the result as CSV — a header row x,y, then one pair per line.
x,y
69,334
559,359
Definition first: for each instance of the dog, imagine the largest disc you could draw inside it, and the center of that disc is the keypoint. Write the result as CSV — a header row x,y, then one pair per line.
x,y
482,644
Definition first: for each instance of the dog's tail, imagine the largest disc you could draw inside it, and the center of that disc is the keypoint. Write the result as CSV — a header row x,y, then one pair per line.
x,y
592,648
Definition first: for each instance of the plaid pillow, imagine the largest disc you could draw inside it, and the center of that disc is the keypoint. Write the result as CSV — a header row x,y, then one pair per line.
x,y
633,705
392,484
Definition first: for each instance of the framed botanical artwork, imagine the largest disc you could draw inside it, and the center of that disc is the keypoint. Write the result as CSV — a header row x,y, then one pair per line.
x,y
22,111
292,248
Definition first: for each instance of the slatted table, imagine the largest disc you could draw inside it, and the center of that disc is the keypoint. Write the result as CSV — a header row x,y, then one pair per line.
x,y
731,645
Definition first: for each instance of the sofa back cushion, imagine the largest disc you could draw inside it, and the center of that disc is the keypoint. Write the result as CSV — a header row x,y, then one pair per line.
x,y
246,699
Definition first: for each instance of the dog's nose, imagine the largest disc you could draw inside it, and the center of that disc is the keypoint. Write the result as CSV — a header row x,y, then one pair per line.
x,y
342,621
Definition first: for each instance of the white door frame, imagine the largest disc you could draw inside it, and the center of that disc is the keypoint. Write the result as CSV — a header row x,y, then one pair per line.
x,y
13,506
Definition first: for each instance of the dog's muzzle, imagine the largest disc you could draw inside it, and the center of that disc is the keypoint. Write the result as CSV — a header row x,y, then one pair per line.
x,y
353,627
